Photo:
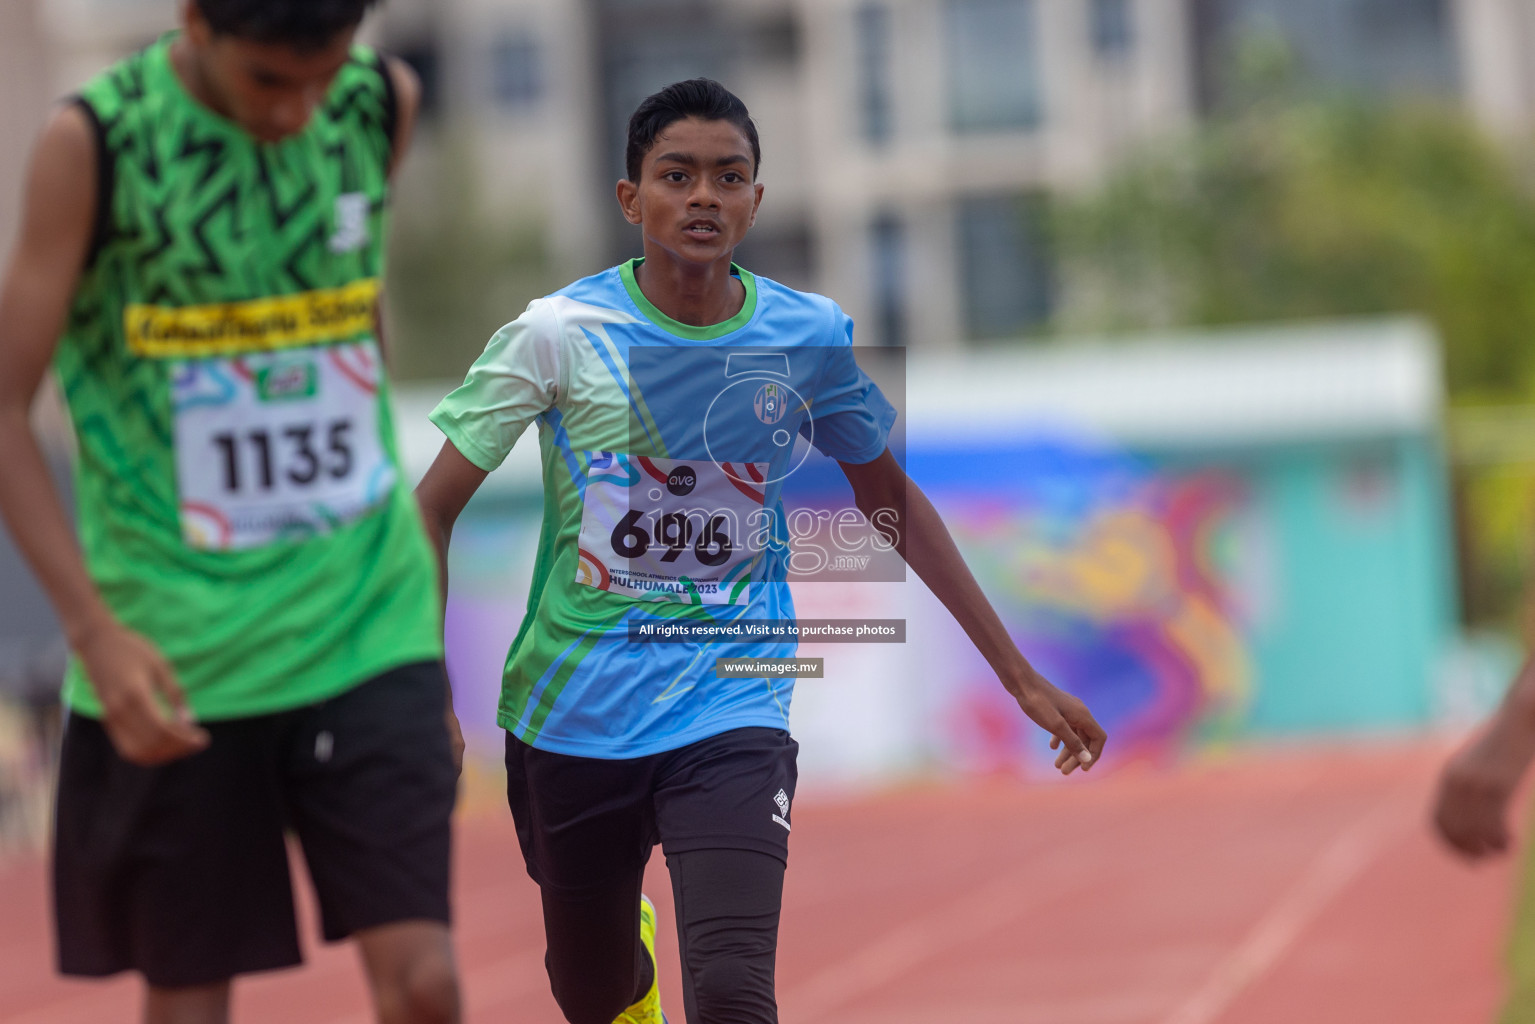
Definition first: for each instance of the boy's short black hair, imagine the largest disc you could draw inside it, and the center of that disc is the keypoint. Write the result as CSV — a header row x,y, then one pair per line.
x,y
702,98
303,24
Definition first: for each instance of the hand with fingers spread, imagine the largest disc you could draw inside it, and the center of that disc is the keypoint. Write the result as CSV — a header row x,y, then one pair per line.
x,y
1074,732
144,709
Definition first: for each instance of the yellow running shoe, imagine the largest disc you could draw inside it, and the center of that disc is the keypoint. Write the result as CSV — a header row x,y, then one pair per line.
x,y
648,1009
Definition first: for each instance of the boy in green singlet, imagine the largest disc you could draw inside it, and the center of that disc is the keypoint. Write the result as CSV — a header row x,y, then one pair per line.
x,y
252,604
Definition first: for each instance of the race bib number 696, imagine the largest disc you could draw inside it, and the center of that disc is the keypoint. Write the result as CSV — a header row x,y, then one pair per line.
x,y
670,529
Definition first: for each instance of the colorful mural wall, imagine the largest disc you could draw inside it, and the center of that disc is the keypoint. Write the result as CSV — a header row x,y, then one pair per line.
x,y
1118,582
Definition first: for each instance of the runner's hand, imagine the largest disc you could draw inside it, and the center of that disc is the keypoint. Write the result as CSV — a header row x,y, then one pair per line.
x,y
1072,727
455,740
1470,809
143,708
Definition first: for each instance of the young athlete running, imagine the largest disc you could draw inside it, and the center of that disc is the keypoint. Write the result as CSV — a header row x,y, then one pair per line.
x,y
667,392
253,604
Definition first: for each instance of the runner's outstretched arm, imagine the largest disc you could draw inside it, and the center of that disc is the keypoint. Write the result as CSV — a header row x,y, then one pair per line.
x,y
1471,807
911,523
442,495
144,709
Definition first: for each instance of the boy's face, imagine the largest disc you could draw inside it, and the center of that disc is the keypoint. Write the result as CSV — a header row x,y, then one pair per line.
x,y
268,89
695,197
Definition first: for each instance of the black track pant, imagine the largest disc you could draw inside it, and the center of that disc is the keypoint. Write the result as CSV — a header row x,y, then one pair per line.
x,y
720,810
726,904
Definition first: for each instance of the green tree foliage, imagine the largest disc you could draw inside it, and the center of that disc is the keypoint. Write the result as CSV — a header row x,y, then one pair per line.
x,y
1319,210
1300,210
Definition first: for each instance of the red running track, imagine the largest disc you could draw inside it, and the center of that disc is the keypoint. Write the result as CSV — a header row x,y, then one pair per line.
x,y
1260,888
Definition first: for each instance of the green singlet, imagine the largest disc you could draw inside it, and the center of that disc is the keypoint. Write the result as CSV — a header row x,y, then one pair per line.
x,y
240,501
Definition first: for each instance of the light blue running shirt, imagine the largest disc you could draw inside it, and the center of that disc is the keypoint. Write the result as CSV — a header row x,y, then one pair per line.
x,y
665,448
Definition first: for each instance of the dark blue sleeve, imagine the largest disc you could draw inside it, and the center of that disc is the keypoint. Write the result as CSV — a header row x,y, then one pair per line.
x,y
850,418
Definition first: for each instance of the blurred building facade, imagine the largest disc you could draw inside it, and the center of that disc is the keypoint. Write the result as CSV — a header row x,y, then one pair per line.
x,y
909,145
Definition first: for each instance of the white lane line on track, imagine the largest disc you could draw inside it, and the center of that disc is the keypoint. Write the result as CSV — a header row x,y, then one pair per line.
x,y
1328,874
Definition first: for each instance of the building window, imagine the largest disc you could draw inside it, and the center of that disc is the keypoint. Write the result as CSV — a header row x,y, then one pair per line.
x,y
1113,33
993,65
772,40
872,24
1369,47
887,246
516,72
1004,256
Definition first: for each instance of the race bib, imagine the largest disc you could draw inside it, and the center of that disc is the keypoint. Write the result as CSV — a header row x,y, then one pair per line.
x,y
278,445
671,529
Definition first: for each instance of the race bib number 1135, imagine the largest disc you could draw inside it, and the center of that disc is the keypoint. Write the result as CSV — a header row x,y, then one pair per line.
x,y
278,446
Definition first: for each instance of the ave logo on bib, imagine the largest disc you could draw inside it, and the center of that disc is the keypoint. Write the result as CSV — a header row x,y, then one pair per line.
x,y
671,529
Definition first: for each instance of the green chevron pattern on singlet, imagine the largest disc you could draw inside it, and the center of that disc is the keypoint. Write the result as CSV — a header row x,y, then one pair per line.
x,y
200,214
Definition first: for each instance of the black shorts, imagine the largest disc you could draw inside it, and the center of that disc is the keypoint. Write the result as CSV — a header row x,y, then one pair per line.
x,y
584,821
180,871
